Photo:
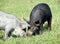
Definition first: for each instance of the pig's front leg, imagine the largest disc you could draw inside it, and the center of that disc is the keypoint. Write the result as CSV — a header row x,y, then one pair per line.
x,y
7,30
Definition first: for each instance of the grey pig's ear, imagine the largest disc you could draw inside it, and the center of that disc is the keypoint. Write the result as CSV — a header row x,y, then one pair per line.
x,y
21,25
26,20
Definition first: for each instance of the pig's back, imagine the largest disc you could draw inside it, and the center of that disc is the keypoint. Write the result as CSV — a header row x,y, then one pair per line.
x,y
6,18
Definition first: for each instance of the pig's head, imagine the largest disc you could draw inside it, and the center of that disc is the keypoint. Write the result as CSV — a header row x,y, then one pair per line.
x,y
33,28
20,30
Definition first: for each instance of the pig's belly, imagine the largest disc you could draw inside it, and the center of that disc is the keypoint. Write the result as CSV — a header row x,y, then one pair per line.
x,y
2,25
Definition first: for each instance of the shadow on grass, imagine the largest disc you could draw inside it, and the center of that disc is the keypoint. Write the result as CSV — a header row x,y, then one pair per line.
x,y
15,36
45,27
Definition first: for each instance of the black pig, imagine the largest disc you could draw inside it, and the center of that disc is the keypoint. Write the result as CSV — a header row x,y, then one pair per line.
x,y
39,14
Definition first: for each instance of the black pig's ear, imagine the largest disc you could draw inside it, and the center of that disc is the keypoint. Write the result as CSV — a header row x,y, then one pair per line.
x,y
26,20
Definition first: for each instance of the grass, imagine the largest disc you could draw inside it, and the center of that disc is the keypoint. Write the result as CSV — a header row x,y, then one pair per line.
x,y
22,8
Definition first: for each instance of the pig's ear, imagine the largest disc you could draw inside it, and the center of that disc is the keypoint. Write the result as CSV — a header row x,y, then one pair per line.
x,y
26,20
21,25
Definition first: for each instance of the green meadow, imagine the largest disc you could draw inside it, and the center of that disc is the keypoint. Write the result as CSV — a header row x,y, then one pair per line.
x,y
22,8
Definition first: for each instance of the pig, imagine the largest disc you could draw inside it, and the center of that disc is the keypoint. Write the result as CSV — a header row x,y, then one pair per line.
x,y
8,23
38,16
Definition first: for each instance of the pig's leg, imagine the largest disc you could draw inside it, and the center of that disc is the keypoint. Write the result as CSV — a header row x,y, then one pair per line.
x,y
7,30
49,24
41,26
